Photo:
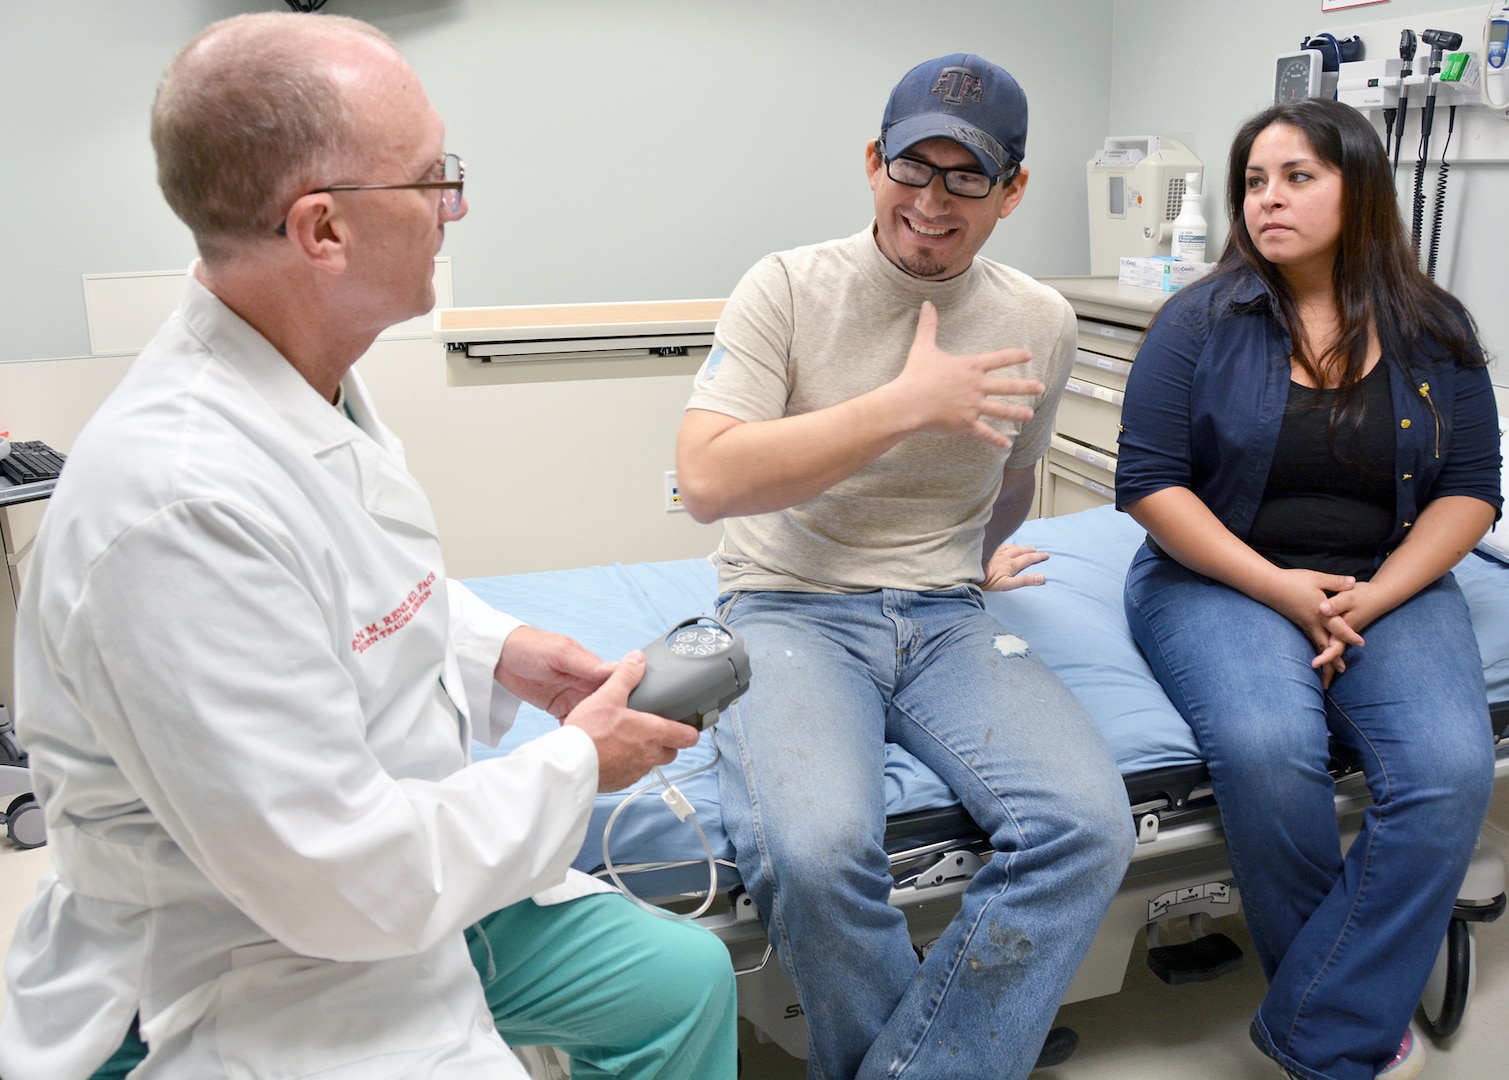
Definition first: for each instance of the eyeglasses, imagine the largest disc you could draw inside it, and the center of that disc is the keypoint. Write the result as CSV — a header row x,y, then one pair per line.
x,y
965,183
451,168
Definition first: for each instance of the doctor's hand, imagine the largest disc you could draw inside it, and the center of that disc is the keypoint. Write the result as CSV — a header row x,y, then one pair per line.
x,y
1004,571
549,671
950,395
629,743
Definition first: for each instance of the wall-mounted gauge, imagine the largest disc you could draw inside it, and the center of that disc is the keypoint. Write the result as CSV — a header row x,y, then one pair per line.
x,y
1297,75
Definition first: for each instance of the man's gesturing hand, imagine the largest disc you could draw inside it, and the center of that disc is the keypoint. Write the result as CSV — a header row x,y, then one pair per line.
x,y
948,394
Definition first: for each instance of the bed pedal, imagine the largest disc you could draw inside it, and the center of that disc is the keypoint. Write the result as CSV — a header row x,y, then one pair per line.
x,y
1200,960
953,866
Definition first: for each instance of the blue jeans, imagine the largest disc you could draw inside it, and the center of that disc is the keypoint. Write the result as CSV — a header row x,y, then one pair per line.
x,y
1347,943
833,677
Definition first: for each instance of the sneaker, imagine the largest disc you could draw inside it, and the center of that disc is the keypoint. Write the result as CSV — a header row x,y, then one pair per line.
x,y
1058,1047
1409,1062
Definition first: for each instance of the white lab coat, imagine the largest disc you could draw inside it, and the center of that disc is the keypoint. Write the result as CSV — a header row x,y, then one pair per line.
x,y
245,684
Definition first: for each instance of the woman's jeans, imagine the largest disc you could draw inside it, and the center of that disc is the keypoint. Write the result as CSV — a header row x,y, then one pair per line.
x,y
833,678
1347,944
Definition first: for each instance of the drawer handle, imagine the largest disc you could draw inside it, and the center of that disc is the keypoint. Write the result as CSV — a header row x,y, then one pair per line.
x,y
1099,393
1104,363
1091,485
1100,461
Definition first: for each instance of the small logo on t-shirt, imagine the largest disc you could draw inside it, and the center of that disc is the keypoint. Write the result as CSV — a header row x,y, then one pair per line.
x,y
711,364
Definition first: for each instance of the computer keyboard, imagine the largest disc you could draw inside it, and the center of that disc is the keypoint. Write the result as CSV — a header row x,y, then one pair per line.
x,y
29,462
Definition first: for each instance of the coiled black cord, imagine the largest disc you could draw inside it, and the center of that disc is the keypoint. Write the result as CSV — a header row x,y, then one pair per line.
x,y
1417,220
1439,210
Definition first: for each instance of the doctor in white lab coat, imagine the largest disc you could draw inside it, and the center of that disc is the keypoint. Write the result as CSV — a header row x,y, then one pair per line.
x,y
248,688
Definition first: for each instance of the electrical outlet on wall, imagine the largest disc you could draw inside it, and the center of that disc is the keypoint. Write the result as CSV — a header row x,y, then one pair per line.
x,y
672,493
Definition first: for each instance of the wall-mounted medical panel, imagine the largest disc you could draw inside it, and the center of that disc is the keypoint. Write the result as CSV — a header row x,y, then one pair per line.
x,y
1480,132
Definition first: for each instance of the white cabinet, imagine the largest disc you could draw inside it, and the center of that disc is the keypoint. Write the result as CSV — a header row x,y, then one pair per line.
x,y
1080,469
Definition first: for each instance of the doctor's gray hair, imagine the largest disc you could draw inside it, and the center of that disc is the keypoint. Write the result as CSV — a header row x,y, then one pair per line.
x,y
247,118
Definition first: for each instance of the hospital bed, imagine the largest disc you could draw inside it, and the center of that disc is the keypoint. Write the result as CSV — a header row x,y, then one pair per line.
x,y
1179,880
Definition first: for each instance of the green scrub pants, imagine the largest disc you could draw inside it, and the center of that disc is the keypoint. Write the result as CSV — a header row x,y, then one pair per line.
x,y
623,992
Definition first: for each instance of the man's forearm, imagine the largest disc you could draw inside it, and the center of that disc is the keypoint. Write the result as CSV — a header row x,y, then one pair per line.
x,y
726,468
1011,508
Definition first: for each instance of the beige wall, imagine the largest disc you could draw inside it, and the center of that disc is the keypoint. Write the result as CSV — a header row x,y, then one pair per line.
x,y
540,475
51,399
537,476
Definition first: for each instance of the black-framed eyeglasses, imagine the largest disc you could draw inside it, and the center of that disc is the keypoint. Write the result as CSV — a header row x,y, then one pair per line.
x,y
452,170
966,183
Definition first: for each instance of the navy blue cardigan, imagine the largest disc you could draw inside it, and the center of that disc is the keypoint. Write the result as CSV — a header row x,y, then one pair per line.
x,y
1206,396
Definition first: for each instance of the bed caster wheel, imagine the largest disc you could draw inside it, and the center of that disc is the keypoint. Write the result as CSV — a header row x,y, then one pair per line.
x,y
1451,981
24,822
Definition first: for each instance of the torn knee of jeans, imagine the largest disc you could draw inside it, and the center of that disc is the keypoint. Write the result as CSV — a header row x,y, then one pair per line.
x,y
1009,645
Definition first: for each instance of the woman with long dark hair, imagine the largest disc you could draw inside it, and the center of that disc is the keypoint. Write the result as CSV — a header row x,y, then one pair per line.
x,y
1310,439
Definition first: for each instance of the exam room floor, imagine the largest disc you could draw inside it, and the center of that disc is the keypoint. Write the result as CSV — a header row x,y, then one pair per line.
x,y
1149,1031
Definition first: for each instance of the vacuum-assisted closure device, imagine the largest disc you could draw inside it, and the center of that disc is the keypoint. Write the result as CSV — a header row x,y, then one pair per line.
x,y
693,672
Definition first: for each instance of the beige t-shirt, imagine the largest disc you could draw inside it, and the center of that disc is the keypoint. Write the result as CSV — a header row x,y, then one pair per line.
x,y
812,327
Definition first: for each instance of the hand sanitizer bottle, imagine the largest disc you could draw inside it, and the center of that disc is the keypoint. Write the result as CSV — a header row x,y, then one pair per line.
x,y
1189,226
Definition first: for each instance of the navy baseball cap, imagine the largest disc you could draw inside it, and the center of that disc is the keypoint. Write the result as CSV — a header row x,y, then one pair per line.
x,y
963,98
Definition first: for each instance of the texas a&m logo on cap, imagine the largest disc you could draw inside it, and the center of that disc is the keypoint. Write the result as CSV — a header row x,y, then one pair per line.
x,y
956,84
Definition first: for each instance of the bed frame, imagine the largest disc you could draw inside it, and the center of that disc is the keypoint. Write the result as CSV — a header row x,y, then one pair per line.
x,y
1179,880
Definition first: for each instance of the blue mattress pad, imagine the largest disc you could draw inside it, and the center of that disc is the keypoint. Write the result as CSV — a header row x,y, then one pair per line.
x,y
1075,623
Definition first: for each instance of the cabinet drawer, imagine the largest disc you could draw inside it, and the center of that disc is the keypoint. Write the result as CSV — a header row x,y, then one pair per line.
x,y
1109,338
1090,414
1096,368
1067,490
1098,466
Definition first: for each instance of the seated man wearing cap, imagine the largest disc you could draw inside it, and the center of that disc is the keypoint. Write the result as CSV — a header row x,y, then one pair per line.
x,y
868,422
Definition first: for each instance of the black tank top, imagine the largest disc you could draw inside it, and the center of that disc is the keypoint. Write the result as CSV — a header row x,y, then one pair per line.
x,y
1330,507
